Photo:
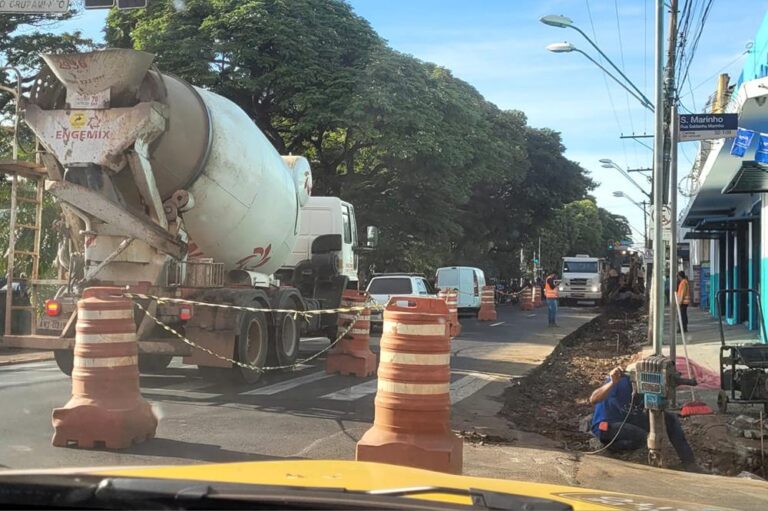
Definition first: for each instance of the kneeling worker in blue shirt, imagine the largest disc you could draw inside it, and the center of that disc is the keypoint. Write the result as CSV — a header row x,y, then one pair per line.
x,y
613,401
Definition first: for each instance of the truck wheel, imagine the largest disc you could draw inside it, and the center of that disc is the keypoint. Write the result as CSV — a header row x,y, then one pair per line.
x,y
65,359
286,340
149,364
252,345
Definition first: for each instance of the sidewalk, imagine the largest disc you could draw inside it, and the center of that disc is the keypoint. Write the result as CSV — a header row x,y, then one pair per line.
x,y
10,356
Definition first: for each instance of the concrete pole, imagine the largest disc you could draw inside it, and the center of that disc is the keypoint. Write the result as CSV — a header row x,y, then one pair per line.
x,y
657,301
673,238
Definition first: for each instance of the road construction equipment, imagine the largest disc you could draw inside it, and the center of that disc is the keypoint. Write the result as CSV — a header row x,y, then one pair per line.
x,y
656,378
172,191
743,367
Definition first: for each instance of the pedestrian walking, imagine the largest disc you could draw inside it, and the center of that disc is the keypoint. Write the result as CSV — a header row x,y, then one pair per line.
x,y
550,293
683,298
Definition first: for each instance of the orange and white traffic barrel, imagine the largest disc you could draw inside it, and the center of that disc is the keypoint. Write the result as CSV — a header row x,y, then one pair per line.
x,y
487,304
412,420
106,408
451,298
352,354
526,299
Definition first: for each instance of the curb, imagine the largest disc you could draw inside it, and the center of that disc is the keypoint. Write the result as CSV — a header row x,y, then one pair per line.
x,y
6,360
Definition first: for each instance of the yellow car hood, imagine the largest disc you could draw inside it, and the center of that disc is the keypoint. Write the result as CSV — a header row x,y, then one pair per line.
x,y
362,476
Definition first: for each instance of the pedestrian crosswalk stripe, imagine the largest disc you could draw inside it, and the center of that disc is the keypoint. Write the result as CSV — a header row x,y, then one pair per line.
x,y
466,386
287,385
353,393
150,392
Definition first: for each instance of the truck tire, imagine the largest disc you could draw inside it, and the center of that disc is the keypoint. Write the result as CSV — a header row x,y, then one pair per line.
x,y
286,340
286,333
65,359
252,345
149,364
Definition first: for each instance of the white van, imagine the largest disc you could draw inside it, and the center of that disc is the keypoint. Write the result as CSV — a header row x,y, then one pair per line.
x,y
469,281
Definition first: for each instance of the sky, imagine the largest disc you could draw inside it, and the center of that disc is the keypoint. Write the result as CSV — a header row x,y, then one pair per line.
x,y
498,46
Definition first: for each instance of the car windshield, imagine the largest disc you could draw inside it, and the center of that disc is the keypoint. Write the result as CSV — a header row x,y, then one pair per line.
x,y
580,267
390,286
206,207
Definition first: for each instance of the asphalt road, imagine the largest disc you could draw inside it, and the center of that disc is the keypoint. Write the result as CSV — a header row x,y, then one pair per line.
x,y
304,414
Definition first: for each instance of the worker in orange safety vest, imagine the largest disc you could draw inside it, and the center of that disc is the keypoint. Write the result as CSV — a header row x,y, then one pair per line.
x,y
683,298
550,293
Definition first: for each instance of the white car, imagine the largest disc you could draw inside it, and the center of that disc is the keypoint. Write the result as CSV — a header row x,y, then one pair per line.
x,y
384,286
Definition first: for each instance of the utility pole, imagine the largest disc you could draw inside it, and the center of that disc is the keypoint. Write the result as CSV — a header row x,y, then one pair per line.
x,y
657,296
671,109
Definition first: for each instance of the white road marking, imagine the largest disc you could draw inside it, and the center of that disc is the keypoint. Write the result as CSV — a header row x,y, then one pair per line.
x,y
5,384
189,385
354,392
13,368
466,386
497,324
167,392
287,385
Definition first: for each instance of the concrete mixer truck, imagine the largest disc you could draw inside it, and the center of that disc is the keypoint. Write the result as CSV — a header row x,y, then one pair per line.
x,y
170,190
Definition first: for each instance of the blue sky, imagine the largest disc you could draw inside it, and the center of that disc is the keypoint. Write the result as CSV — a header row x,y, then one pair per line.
x,y
498,47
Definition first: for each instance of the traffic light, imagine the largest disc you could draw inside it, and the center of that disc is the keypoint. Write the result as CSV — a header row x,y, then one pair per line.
x,y
131,4
610,245
99,4
120,4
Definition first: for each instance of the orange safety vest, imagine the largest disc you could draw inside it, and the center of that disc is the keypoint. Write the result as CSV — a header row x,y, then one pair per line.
x,y
550,292
683,296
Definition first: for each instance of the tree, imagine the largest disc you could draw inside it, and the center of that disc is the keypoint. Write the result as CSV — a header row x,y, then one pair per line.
x,y
446,175
23,38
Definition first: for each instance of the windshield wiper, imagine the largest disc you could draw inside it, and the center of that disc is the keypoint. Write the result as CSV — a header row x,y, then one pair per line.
x,y
99,492
483,499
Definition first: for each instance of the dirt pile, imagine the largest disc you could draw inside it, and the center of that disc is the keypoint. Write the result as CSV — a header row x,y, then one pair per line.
x,y
552,399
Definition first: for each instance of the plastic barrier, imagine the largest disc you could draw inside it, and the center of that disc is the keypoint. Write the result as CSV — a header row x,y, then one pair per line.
x,y
412,424
451,298
526,299
106,408
352,354
487,310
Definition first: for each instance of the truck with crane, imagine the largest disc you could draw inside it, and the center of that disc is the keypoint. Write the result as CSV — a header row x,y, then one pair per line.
x,y
168,190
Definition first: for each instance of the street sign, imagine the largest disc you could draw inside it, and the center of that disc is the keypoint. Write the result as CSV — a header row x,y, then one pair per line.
x,y
706,126
666,215
34,6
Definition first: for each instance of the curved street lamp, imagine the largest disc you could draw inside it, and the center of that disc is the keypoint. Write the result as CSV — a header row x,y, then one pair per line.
x,y
559,21
566,47
607,163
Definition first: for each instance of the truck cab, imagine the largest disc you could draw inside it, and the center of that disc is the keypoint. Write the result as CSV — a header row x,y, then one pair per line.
x,y
322,216
582,279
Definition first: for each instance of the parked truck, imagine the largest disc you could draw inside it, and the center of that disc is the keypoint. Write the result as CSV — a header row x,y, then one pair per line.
x,y
583,279
170,190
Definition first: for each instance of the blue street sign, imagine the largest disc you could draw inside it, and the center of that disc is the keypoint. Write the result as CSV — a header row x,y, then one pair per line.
x,y
761,155
741,142
706,126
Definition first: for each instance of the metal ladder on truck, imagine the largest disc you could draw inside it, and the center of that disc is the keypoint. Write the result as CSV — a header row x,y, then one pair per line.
x,y
15,255
25,215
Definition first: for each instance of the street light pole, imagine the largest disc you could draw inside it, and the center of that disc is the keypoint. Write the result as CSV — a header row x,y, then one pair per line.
x,y
607,163
630,199
554,20
566,47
